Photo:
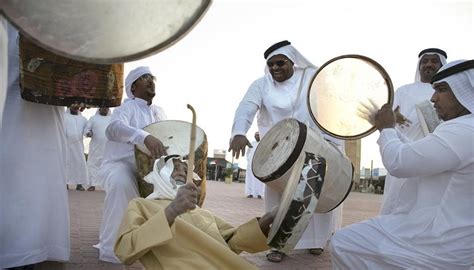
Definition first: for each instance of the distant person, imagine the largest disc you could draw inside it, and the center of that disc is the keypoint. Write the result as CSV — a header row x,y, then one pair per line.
x,y
282,93
34,205
118,169
76,168
405,101
437,231
254,188
95,129
168,231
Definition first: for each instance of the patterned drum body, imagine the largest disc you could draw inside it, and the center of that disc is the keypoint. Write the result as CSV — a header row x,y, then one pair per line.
x,y
175,135
51,79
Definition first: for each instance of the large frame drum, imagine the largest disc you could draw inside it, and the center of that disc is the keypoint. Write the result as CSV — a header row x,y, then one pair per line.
x,y
174,134
48,78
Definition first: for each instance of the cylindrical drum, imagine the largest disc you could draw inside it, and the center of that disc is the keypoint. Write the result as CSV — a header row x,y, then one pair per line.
x,y
175,135
280,148
48,78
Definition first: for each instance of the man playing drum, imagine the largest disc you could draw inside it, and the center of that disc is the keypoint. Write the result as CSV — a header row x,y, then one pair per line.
x,y
437,231
168,231
282,93
405,101
118,169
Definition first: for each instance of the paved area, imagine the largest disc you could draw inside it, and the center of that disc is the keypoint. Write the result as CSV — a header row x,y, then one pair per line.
x,y
226,200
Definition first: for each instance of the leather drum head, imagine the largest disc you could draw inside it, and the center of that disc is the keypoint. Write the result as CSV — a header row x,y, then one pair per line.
x,y
344,87
104,31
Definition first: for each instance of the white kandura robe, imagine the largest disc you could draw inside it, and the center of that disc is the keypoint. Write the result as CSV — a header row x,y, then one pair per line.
x,y
394,197
274,106
438,231
96,126
34,206
3,64
253,186
119,169
76,168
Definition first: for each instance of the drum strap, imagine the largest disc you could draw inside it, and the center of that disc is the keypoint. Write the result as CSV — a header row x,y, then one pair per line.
x,y
299,92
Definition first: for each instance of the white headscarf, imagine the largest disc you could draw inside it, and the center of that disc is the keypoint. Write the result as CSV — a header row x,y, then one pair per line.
x,y
462,84
164,187
417,74
133,76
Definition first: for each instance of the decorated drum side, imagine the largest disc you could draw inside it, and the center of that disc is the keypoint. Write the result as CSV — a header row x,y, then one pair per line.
x,y
279,149
48,78
175,135
299,201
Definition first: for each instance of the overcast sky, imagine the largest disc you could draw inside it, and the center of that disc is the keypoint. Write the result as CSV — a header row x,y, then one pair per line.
x,y
212,67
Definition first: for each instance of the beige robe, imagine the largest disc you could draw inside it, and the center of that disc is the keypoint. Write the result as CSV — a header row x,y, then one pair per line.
x,y
196,240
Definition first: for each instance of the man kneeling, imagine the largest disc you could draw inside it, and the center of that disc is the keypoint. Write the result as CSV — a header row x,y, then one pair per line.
x,y
163,232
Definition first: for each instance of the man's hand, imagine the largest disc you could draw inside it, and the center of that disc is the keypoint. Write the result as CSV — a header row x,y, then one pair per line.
x,y
385,117
267,220
401,119
237,145
186,199
155,146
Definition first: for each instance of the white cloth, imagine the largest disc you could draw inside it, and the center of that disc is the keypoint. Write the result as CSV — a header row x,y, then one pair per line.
x,y
96,127
275,101
462,85
438,231
3,64
118,169
76,168
253,186
406,97
34,206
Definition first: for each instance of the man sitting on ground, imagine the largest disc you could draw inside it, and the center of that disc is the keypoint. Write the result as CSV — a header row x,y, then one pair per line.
x,y
168,231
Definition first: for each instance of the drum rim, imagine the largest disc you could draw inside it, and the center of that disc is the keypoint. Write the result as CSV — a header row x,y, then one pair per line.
x,y
181,33
382,72
288,164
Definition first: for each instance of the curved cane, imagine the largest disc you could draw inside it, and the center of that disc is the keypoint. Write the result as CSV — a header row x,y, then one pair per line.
x,y
192,145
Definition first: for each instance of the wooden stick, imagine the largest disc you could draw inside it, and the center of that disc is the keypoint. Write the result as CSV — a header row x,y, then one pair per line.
x,y
192,145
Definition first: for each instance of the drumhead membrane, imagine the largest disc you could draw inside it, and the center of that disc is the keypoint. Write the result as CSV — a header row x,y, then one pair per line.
x,y
279,149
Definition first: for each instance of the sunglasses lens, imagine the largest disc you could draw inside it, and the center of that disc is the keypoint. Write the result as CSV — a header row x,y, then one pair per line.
x,y
279,63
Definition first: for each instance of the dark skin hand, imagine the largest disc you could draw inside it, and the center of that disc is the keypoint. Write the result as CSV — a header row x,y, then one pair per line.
x,y
186,200
385,117
155,146
238,144
266,220
400,118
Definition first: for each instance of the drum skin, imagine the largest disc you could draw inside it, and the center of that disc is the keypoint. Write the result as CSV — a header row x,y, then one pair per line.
x,y
48,78
176,135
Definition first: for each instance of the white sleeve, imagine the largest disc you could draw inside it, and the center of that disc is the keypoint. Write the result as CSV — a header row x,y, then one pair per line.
x,y
430,155
247,109
88,127
119,129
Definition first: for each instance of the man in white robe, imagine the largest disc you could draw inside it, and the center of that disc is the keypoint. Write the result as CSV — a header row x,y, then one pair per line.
x,y
405,101
95,129
119,169
76,168
437,232
282,93
254,188
34,206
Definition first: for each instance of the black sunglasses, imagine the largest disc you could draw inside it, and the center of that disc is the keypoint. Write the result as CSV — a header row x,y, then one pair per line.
x,y
279,63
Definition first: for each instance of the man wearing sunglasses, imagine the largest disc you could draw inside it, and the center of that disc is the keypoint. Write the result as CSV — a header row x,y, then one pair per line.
x,y
118,169
282,93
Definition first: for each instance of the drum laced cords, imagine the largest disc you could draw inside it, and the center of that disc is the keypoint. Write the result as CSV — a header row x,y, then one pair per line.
x,y
312,177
